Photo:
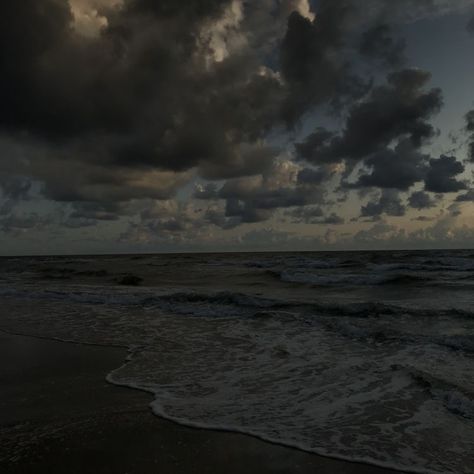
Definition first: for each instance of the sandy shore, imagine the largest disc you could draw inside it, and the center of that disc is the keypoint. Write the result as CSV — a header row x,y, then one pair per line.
x,y
59,415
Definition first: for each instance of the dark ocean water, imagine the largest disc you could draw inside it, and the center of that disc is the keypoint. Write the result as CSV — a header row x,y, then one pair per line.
x,y
366,356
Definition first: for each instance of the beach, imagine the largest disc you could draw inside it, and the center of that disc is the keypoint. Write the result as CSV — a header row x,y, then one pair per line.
x,y
58,420
291,362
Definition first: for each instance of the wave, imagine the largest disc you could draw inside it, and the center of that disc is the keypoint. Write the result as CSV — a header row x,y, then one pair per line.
x,y
371,333
454,398
236,304
458,342
223,297
445,265
277,370
458,403
346,407
350,279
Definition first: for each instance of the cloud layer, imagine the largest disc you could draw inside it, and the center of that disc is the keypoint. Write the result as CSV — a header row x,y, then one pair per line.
x,y
182,118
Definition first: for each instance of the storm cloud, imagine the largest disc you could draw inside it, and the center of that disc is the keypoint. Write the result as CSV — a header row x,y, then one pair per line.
x,y
178,118
442,175
399,109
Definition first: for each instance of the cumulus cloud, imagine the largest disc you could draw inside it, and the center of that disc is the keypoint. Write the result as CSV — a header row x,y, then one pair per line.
x,y
398,168
139,95
306,215
442,175
421,200
115,109
400,109
388,203
468,196
312,60
254,199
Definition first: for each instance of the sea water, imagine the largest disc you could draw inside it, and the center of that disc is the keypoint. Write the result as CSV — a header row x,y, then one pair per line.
x,y
364,356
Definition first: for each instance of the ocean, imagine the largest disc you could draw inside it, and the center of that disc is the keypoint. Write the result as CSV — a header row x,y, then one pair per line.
x,y
362,356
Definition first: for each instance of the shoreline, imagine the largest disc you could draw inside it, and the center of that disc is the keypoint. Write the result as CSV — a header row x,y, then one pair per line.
x,y
60,415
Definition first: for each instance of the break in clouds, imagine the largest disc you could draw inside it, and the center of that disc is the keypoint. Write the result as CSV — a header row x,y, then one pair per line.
x,y
214,123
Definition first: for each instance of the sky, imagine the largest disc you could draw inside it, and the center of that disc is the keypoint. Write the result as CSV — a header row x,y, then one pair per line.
x,y
235,125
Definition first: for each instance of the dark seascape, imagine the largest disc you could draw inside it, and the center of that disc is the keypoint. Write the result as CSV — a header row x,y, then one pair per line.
x,y
359,356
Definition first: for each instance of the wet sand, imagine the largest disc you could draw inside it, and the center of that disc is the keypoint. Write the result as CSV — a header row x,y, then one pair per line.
x,y
59,415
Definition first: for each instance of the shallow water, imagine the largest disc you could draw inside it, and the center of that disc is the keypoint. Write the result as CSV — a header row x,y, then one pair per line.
x,y
362,356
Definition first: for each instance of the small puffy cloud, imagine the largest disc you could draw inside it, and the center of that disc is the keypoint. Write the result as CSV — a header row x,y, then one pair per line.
x,y
398,168
421,200
468,196
388,203
313,215
379,234
442,175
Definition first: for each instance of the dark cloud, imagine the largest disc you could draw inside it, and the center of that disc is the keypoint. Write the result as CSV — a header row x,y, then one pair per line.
x,y
388,203
168,222
206,192
13,190
315,176
468,196
442,174
316,147
399,109
333,219
378,44
312,59
194,9
108,114
399,168
305,214
316,56
255,200
421,200
314,216
145,95
470,129
28,32
219,219
245,212
18,223
403,11
92,211
158,92
15,187
470,26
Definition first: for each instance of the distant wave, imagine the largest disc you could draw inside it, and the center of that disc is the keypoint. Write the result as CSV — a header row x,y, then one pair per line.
x,y
350,279
445,265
